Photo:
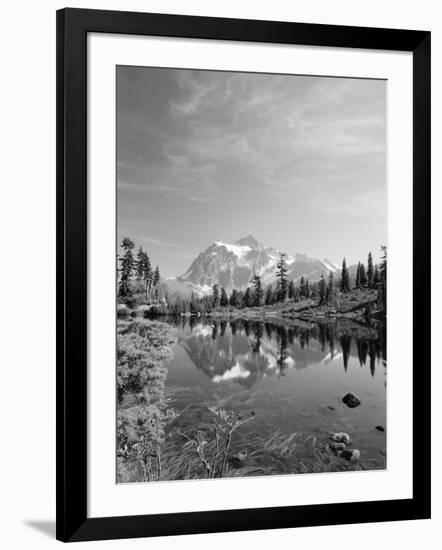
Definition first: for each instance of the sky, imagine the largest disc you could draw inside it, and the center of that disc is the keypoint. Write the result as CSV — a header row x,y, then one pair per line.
x,y
299,162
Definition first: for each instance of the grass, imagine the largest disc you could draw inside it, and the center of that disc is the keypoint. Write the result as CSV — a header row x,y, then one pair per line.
x,y
278,454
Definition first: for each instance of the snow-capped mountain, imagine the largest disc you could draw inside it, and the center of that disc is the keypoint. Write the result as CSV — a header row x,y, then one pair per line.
x,y
234,265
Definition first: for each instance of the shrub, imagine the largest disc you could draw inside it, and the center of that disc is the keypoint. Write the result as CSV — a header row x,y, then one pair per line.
x,y
143,348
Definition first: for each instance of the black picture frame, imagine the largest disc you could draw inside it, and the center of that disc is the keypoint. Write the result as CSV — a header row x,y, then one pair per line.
x,y
73,25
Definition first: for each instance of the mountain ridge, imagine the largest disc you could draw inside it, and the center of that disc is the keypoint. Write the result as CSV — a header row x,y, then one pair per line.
x,y
233,265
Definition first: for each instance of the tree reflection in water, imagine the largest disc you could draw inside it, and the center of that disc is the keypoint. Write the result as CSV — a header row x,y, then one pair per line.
x,y
244,350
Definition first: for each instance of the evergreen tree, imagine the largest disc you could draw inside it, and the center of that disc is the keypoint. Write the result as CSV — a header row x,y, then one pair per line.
x,y
234,298
269,296
248,299
291,290
139,267
127,265
370,271
345,279
314,290
306,289
146,271
302,288
215,296
383,280
322,290
363,276
281,275
224,300
358,276
240,298
193,305
330,288
258,292
156,277
383,268
376,277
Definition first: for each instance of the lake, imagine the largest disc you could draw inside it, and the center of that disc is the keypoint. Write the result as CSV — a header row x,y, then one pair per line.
x,y
292,375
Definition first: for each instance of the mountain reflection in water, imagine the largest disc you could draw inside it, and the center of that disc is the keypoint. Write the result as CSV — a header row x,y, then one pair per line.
x,y
292,374
245,351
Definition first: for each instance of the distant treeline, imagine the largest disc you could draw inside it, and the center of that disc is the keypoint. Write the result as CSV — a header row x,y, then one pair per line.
x,y
136,276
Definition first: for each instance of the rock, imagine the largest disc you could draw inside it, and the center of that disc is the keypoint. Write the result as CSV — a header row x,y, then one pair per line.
x,y
330,408
310,442
341,437
122,309
351,400
239,459
380,428
353,455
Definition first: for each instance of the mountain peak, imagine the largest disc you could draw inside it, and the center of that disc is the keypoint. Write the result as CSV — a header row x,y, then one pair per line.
x,y
234,266
248,241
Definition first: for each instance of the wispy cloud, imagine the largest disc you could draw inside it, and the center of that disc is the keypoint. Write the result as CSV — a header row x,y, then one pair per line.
x,y
193,94
224,149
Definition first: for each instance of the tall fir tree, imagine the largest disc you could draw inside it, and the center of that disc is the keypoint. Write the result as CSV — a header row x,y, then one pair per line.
x,y
215,296
127,265
234,298
240,299
322,289
345,278
146,273
302,287
376,277
281,275
224,300
258,292
358,276
291,290
139,268
330,294
248,298
156,277
370,271
383,267
268,300
363,276
383,280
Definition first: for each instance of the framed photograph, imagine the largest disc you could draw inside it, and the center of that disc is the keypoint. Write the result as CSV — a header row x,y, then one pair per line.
x,y
243,274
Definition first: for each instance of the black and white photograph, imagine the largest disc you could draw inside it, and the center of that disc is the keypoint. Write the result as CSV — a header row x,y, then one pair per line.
x,y
220,232
252,271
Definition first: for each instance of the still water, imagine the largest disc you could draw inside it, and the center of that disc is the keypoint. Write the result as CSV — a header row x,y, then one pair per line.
x,y
292,376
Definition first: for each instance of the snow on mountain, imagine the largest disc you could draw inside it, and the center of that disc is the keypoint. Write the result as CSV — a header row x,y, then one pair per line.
x,y
238,250
330,265
233,265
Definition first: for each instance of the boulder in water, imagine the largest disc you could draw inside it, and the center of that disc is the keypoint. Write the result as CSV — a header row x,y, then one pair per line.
x,y
353,455
351,400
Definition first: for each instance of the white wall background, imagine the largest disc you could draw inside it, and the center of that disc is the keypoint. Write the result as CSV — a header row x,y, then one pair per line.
x,y
27,274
